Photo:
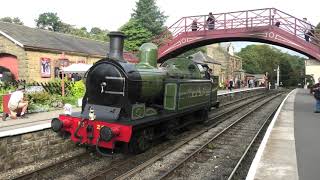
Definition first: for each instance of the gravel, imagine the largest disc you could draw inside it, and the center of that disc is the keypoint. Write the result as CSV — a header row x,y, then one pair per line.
x,y
11,174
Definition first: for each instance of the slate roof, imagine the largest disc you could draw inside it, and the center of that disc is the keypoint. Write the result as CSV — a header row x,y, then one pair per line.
x,y
200,57
258,76
43,39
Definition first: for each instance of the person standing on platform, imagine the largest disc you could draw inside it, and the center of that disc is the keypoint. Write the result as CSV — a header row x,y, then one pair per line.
x,y
316,91
251,83
17,103
307,32
230,84
194,25
207,73
210,21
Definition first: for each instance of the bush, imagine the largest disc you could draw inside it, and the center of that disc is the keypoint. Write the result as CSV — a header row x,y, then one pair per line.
x,y
39,97
70,100
4,90
67,86
32,108
44,101
78,89
38,102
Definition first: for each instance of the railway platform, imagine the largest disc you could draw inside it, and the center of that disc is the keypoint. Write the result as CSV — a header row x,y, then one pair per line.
x,y
290,148
34,122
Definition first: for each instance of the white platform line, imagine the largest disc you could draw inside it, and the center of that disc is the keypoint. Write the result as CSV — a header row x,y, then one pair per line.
x,y
241,90
254,166
25,130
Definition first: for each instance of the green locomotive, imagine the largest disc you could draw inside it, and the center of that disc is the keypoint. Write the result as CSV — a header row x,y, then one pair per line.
x,y
133,104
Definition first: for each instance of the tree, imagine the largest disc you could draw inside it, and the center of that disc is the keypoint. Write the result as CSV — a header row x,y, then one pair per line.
x,y
49,21
84,29
258,59
80,32
14,20
146,22
99,34
136,35
65,28
149,16
6,19
95,30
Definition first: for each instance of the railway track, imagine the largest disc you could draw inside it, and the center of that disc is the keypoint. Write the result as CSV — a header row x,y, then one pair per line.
x,y
118,172
59,163
119,163
229,142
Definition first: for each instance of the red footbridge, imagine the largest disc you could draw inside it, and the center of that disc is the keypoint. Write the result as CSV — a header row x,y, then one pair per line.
x,y
268,25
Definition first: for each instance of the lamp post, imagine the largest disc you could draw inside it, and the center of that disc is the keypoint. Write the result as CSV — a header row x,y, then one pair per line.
x,y
278,77
305,73
62,63
62,83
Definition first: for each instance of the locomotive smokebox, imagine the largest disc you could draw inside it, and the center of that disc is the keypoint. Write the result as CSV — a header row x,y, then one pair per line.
x,y
116,46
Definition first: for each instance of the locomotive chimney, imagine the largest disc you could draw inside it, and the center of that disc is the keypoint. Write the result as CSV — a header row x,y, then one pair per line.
x,y
116,45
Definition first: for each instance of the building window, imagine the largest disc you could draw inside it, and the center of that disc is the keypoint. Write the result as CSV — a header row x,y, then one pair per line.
x,y
83,61
64,62
45,67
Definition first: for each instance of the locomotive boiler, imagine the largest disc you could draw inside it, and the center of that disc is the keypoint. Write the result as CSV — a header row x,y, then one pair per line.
x,y
132,104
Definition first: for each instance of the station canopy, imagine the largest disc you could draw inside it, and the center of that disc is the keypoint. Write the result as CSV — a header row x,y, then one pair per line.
x,y
77,68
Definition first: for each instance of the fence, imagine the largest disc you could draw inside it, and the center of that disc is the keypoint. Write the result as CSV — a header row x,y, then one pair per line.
x,y
50,87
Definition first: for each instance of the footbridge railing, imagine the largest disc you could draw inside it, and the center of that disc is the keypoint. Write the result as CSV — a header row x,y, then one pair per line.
x,y
241,20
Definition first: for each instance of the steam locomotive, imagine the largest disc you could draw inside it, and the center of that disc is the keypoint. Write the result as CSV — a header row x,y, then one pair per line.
x,y
132,104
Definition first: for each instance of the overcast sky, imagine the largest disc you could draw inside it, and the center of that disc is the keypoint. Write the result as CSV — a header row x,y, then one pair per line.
x,y
111,14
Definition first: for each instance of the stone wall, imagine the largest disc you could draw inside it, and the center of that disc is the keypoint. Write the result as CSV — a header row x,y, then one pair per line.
x,y
239,95
217,70
17,151
230,63
9,47
34,62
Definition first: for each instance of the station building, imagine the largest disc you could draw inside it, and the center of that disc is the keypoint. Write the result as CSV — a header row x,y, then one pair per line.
x,y
313,68
231,65
36,55
201,57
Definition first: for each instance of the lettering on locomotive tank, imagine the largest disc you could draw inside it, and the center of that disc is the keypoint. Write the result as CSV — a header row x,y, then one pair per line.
x,y
197,92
